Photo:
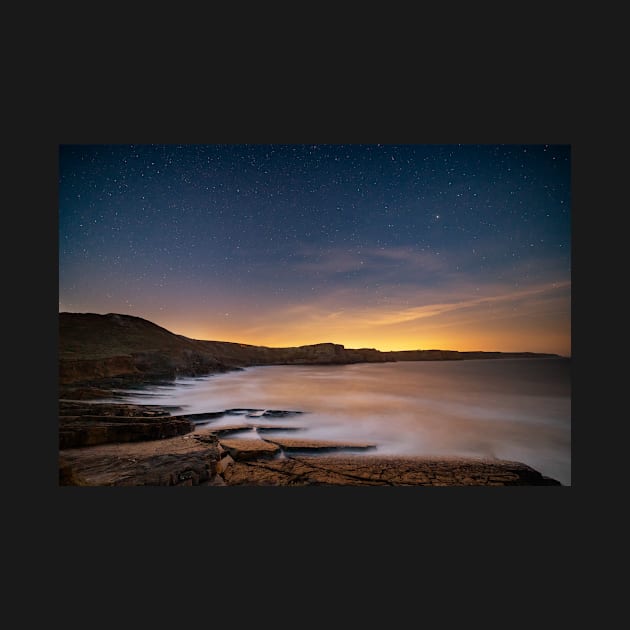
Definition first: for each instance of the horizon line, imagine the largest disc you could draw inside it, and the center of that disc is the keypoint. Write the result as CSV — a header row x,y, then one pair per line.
x,y
316,343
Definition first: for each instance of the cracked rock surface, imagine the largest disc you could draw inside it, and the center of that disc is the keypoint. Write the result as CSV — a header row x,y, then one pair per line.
x,y
382,471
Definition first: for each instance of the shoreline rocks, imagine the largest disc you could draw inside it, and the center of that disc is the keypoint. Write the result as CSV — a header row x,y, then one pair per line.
x,y
130,445
82,424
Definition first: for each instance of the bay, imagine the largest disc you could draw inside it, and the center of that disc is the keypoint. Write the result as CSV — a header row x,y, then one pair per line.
x,y
513,409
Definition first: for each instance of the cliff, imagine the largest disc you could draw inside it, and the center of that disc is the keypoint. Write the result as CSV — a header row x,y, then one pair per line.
x,y
119,350
114,349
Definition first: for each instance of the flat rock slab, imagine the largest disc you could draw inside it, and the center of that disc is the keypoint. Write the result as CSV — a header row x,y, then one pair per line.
x,y
237,428
209,416
279,413
73,408
177,461
77,431
206,416
248,449
321,446
262,413
85,393
226,430
382,471
89,419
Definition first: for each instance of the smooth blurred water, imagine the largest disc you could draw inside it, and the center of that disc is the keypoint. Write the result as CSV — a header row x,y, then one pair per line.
x,y
514,409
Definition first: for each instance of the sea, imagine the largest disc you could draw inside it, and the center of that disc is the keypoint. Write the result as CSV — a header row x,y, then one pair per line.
x,y
511,409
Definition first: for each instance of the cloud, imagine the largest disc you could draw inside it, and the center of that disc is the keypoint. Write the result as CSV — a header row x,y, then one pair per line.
x,y
343,315
396,298
373,260
397,316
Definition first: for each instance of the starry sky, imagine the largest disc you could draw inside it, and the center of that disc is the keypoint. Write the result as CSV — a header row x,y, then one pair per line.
x,y
395,247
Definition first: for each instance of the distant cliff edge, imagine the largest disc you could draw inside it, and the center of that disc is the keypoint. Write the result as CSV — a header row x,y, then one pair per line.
x,y
119,350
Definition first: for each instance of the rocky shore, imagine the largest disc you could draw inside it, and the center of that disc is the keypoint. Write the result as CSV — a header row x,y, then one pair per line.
x,y
123,445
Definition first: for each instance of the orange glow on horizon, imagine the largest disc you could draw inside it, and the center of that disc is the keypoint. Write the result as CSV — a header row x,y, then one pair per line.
x,y
536,318
463,342
529,319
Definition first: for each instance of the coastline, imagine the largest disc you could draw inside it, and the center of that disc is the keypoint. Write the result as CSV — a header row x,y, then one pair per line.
x,y
116,444
104,440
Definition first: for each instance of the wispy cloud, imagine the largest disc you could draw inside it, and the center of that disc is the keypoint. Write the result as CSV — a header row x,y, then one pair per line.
x,y
411,321
397,316
404,298
369,259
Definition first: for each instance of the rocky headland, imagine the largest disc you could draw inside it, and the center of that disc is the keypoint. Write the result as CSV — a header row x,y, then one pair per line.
x,y
98,352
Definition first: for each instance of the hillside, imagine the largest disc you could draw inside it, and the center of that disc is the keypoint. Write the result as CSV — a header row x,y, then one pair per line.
x,y
114,350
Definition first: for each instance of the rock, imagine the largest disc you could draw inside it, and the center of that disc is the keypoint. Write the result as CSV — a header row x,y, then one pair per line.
x,y
68,476
320,446
92,430
74,408
272,428
276,413
248,449
382,471
208,438
267,413
202,417
84,393
172,461
224,463
230,429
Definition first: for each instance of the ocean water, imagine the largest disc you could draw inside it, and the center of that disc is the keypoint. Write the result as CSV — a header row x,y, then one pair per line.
x,y
514,409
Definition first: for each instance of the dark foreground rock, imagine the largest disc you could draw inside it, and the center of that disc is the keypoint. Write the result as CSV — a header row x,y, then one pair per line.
x,y
68,475
178,461
92,430
86,393
89,424
75,408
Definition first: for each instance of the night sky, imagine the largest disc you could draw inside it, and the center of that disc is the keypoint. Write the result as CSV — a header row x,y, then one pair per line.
x,y
460,247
